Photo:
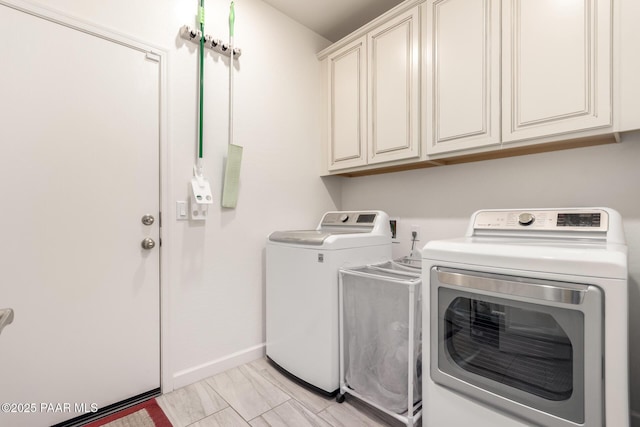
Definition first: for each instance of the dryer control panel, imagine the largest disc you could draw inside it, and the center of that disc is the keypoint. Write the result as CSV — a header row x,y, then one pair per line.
x,y
588,220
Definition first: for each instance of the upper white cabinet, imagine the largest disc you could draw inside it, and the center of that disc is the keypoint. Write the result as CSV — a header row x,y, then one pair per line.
x,y
394,89
557,60
347,90
550,61
433,82
463,74
373,88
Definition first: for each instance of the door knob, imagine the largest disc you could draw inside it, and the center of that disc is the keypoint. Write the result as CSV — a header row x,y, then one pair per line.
x,y
148,219
148,243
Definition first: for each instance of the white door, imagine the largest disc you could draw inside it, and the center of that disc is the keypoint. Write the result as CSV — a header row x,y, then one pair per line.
x,y
347,106
556,67
463,74
79,167
394,89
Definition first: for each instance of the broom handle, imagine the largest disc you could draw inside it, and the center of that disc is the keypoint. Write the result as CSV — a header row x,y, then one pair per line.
x,y
201,112
232,18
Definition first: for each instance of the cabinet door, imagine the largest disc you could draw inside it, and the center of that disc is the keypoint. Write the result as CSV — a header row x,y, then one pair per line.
x,y
347,91
463,74
394,89
556,67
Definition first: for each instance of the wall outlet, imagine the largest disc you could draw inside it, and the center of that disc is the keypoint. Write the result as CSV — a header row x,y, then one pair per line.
x,y
415,229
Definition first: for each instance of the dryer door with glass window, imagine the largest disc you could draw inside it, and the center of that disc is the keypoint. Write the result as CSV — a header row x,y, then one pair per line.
x,y
519,344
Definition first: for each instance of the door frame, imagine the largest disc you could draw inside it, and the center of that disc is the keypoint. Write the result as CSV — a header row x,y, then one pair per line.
x,y
164,191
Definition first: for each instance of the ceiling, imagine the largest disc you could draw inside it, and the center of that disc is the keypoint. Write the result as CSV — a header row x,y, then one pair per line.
x,y
333,19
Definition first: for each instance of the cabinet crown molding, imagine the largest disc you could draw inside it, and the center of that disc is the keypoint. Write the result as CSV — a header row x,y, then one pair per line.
x,y
390,14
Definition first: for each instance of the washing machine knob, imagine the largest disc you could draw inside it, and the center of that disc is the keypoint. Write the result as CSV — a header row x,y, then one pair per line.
x,y
344,218
526,218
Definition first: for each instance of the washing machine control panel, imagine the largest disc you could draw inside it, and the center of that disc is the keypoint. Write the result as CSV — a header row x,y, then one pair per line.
x,y
526,218
545,220
349,219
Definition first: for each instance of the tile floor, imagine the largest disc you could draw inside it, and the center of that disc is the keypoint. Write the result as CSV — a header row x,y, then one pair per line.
x,y
258,395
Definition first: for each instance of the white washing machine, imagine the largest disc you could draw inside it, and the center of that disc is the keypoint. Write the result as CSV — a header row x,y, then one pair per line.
x,y
302,290
526,321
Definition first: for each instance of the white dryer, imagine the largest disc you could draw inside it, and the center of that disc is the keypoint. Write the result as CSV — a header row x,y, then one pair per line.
x,y
526,321
302,290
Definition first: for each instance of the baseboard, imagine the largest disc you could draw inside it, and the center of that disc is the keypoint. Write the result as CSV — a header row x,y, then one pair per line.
x,y
200,372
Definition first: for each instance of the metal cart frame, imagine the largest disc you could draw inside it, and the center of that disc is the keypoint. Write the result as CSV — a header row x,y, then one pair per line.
x,y
414,411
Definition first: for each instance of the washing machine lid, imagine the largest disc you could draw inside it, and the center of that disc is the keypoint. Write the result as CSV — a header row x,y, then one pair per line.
x,y
306,237
340,230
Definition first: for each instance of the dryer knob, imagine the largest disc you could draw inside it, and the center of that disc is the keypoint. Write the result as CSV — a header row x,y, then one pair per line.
x,y
526,219
344,218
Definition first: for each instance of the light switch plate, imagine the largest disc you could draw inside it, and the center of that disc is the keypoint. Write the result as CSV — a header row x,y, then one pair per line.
x,y
182,210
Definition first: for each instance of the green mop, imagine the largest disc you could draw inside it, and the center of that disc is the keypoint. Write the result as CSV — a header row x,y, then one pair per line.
x,y
201,189
234,152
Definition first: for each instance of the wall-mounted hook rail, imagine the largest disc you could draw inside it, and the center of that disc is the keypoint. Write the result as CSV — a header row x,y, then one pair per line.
x,y
193,35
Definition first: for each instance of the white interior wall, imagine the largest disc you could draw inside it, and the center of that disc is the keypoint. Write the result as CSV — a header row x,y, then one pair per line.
x,y
441,200
216,279
216,269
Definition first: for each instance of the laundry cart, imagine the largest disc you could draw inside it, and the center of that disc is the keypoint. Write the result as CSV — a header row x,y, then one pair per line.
x,y
380,338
